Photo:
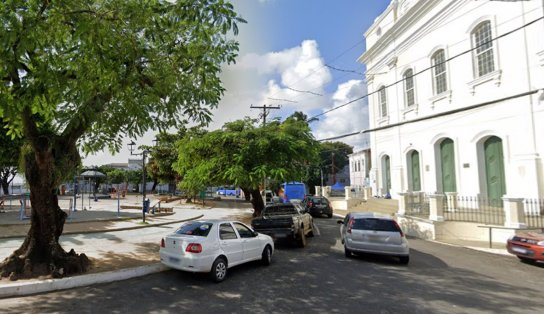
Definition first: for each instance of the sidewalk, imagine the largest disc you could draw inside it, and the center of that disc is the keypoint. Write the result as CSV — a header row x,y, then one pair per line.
x,y
119,245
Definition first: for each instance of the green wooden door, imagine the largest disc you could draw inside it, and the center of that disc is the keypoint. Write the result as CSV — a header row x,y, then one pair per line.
x,y
494,169
416,174
447,162
386,174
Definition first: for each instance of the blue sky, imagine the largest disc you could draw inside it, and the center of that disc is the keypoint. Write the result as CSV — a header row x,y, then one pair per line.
x,y
284,46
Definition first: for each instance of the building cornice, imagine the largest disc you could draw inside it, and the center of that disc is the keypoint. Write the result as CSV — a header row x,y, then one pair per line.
x,y
407,20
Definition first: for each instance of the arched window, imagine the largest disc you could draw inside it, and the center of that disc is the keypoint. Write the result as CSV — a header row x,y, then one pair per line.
x,y
484,61
440,83
409,98
382,100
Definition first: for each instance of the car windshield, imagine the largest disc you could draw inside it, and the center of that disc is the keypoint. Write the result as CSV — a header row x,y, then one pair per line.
x,y
195,228
375,224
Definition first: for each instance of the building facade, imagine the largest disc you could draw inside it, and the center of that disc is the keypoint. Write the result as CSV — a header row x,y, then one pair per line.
x,y
456,98
359,168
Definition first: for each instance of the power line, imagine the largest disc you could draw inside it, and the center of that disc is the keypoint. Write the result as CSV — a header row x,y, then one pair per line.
x,y
432,66
392,22
445,113
343,70
302,91
286,100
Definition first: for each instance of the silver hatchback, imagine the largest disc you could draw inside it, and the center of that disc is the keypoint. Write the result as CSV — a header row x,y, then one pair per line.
x,y
373,233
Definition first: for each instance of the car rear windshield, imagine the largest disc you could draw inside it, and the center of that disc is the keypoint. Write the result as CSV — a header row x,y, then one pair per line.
x,y
375,224
280,210
195,228
320,200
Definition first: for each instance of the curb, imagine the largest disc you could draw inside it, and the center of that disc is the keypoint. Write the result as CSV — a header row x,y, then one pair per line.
x,y
117,229
28,288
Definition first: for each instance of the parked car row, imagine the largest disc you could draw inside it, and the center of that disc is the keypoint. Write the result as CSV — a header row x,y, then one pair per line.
x,y
214,246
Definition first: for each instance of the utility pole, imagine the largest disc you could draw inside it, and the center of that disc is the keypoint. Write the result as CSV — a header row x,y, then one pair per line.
x,y
266,110
333,169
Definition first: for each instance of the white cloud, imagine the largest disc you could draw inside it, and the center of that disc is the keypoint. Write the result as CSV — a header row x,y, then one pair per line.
x,y
348,119
258,77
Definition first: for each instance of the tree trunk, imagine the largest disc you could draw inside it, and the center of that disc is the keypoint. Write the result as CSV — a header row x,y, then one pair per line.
x,y
257,202
247,194
41,254
154,187
5,187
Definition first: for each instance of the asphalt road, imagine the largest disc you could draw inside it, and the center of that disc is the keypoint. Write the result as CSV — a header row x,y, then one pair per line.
x,y
319,279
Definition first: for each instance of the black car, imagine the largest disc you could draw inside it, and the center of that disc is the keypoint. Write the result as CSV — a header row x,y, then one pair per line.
x,y
317,205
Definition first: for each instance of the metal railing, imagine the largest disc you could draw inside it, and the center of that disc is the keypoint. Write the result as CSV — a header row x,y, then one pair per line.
x,y
533,208
417,205
474,209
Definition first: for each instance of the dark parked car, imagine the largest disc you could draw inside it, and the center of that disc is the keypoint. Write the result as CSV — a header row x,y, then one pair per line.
x,y
317,205
285,220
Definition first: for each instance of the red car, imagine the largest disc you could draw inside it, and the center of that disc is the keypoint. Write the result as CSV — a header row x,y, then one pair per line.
x,y
527,246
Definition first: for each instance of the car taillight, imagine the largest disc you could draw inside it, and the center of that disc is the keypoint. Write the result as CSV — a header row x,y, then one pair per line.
x,y
399,229
162,243
350,224
310,204
194,248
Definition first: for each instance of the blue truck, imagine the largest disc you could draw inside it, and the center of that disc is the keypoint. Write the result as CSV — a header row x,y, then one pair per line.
x,y
293,191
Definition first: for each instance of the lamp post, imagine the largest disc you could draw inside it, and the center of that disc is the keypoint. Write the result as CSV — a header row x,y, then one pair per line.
x,y
144,155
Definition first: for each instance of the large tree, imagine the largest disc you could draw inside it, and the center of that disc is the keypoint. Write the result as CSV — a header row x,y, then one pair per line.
x,y
243,154
85,73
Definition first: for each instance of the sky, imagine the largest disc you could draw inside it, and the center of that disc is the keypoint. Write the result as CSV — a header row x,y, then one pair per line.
x,y
299,55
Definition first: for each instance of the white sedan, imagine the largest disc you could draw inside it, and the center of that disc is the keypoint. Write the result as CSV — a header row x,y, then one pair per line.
x,y
214,246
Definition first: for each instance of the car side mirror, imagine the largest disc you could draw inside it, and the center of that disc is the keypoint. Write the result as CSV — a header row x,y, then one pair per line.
x,y
255,233
340,222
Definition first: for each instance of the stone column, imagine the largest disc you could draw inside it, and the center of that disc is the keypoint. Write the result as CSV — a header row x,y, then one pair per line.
x,y
403,203
451,198
513,212
367,193
318,191
436,207
347,190
326,191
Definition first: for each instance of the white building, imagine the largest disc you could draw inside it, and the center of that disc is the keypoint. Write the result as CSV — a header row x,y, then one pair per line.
x,y
456,98
359,168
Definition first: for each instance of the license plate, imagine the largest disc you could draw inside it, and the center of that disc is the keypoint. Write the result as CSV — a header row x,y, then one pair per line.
x,y
173,260
519,250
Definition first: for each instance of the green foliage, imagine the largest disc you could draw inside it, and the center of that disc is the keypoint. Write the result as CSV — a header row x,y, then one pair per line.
x,y
242,154
134,176
117,176
96,71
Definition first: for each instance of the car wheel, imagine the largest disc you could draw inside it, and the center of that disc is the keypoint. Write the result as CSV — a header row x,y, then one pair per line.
x,y
329,215
347,252
404,259
266,256
525,259
219,269
311,232
301,237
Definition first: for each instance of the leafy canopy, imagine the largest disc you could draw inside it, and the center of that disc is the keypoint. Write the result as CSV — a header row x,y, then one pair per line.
x,y
96,71
242,154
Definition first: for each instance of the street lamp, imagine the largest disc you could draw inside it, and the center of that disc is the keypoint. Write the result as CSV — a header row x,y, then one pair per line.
x,y
143,154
